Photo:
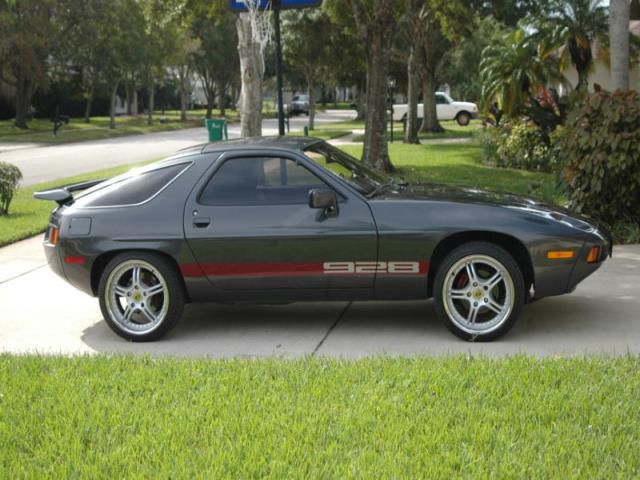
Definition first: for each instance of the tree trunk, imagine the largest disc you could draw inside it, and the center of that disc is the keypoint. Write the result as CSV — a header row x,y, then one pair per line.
x,y
361,108
23,98
251,73
134,101
87,107
619,11
128,88
112,106
222,99
375,152
183,97
430,122
312,101
209,105
583,79
152,94
411,127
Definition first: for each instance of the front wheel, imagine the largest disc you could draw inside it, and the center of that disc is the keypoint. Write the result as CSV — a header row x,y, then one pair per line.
x,y
141,296
463,119
479,291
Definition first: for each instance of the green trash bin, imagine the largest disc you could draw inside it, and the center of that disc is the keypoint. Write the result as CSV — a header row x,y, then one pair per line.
x,y
217,128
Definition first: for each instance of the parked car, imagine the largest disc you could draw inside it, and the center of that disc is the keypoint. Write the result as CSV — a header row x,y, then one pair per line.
x,y
299,105
287,219
447,109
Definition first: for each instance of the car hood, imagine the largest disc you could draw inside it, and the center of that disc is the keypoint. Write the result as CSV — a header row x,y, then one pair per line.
x,y
467,105
472,195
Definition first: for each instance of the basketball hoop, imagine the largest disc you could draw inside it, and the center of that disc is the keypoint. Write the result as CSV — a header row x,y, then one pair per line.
x,y
260,19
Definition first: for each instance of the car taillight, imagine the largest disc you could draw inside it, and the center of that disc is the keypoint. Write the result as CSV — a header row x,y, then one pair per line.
x,y
53,235
594,255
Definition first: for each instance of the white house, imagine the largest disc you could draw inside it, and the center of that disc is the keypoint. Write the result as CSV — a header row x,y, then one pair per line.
x,y
600,73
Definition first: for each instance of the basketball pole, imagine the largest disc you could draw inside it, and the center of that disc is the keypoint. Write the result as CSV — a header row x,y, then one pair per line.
x,y
275,5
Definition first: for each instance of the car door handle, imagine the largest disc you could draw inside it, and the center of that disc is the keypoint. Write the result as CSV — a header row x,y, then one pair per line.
x,y
201,222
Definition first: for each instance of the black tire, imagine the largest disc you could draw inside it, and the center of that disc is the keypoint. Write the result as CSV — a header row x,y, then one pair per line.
x,y
156,267
512,278
463,119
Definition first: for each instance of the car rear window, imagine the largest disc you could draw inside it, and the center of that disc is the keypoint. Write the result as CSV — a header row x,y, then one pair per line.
x,y
133,189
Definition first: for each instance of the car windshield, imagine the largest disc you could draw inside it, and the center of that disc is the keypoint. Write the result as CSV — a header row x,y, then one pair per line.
x,y
363,179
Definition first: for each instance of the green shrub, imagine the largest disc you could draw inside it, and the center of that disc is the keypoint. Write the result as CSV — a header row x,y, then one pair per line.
x,y
520,144
600,145
10,175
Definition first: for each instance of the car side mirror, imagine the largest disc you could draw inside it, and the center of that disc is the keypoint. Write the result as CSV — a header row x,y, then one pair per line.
x,y
324,199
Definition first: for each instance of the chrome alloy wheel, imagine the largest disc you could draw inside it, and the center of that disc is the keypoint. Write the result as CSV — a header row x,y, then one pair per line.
x,y
478,294
137,297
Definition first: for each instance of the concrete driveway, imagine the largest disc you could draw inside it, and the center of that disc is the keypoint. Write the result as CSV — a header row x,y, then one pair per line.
x,y
39,312
40,163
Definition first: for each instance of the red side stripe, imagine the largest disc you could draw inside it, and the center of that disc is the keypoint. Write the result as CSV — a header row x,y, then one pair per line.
x,y
269,269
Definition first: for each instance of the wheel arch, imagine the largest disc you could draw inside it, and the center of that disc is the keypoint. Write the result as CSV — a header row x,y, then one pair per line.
x,y
510,243
463,112
100,263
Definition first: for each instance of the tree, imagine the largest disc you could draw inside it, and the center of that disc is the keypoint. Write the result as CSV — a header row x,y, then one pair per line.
x,y
346,65
619,13
375,21
514,69
81,44
573,25
216,62
411,26
462,66
305,50
251,43
433,48
28,35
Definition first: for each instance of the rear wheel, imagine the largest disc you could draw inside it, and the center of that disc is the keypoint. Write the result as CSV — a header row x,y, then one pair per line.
x,y
463,119
141,296
479,291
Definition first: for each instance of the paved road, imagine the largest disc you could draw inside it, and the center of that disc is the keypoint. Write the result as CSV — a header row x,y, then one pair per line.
x,y
40,312
42,163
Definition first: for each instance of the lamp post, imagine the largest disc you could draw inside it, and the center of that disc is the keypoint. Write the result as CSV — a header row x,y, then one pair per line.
x,y
391,87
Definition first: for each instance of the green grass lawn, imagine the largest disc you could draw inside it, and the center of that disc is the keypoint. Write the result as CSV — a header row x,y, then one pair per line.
x,y
40,130
451,127
28,216
324,133
451,417
460,163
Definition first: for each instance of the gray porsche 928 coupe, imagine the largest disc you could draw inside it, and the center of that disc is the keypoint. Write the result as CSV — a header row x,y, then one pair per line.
x,y
291,219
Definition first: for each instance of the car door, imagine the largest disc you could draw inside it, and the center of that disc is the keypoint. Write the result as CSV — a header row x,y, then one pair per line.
x,y
444,109
250,227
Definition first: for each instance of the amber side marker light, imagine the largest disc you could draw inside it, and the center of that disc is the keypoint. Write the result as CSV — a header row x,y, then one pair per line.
x,y
559,254
594,255
53,235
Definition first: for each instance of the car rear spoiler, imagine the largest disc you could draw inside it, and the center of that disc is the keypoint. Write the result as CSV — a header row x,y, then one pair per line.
x,y
64,195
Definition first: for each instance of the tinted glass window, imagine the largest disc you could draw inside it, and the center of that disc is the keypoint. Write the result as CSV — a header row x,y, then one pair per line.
x,y
134,189
260,181
441,100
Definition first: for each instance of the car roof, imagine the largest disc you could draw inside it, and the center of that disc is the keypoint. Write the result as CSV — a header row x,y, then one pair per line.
x,y
275,142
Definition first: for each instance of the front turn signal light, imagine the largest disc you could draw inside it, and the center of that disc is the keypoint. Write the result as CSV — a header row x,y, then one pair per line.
x,y
53,235
594,255
560,254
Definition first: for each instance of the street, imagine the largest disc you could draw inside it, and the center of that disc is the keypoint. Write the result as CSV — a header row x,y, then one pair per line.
x,y
42,313
42,163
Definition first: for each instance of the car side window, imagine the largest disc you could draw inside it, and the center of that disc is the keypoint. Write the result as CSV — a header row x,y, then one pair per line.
x,y
441,100
260,181
134,189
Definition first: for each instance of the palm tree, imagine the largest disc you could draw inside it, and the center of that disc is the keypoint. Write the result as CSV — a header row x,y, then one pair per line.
x,y
514,69
619,42
573,25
